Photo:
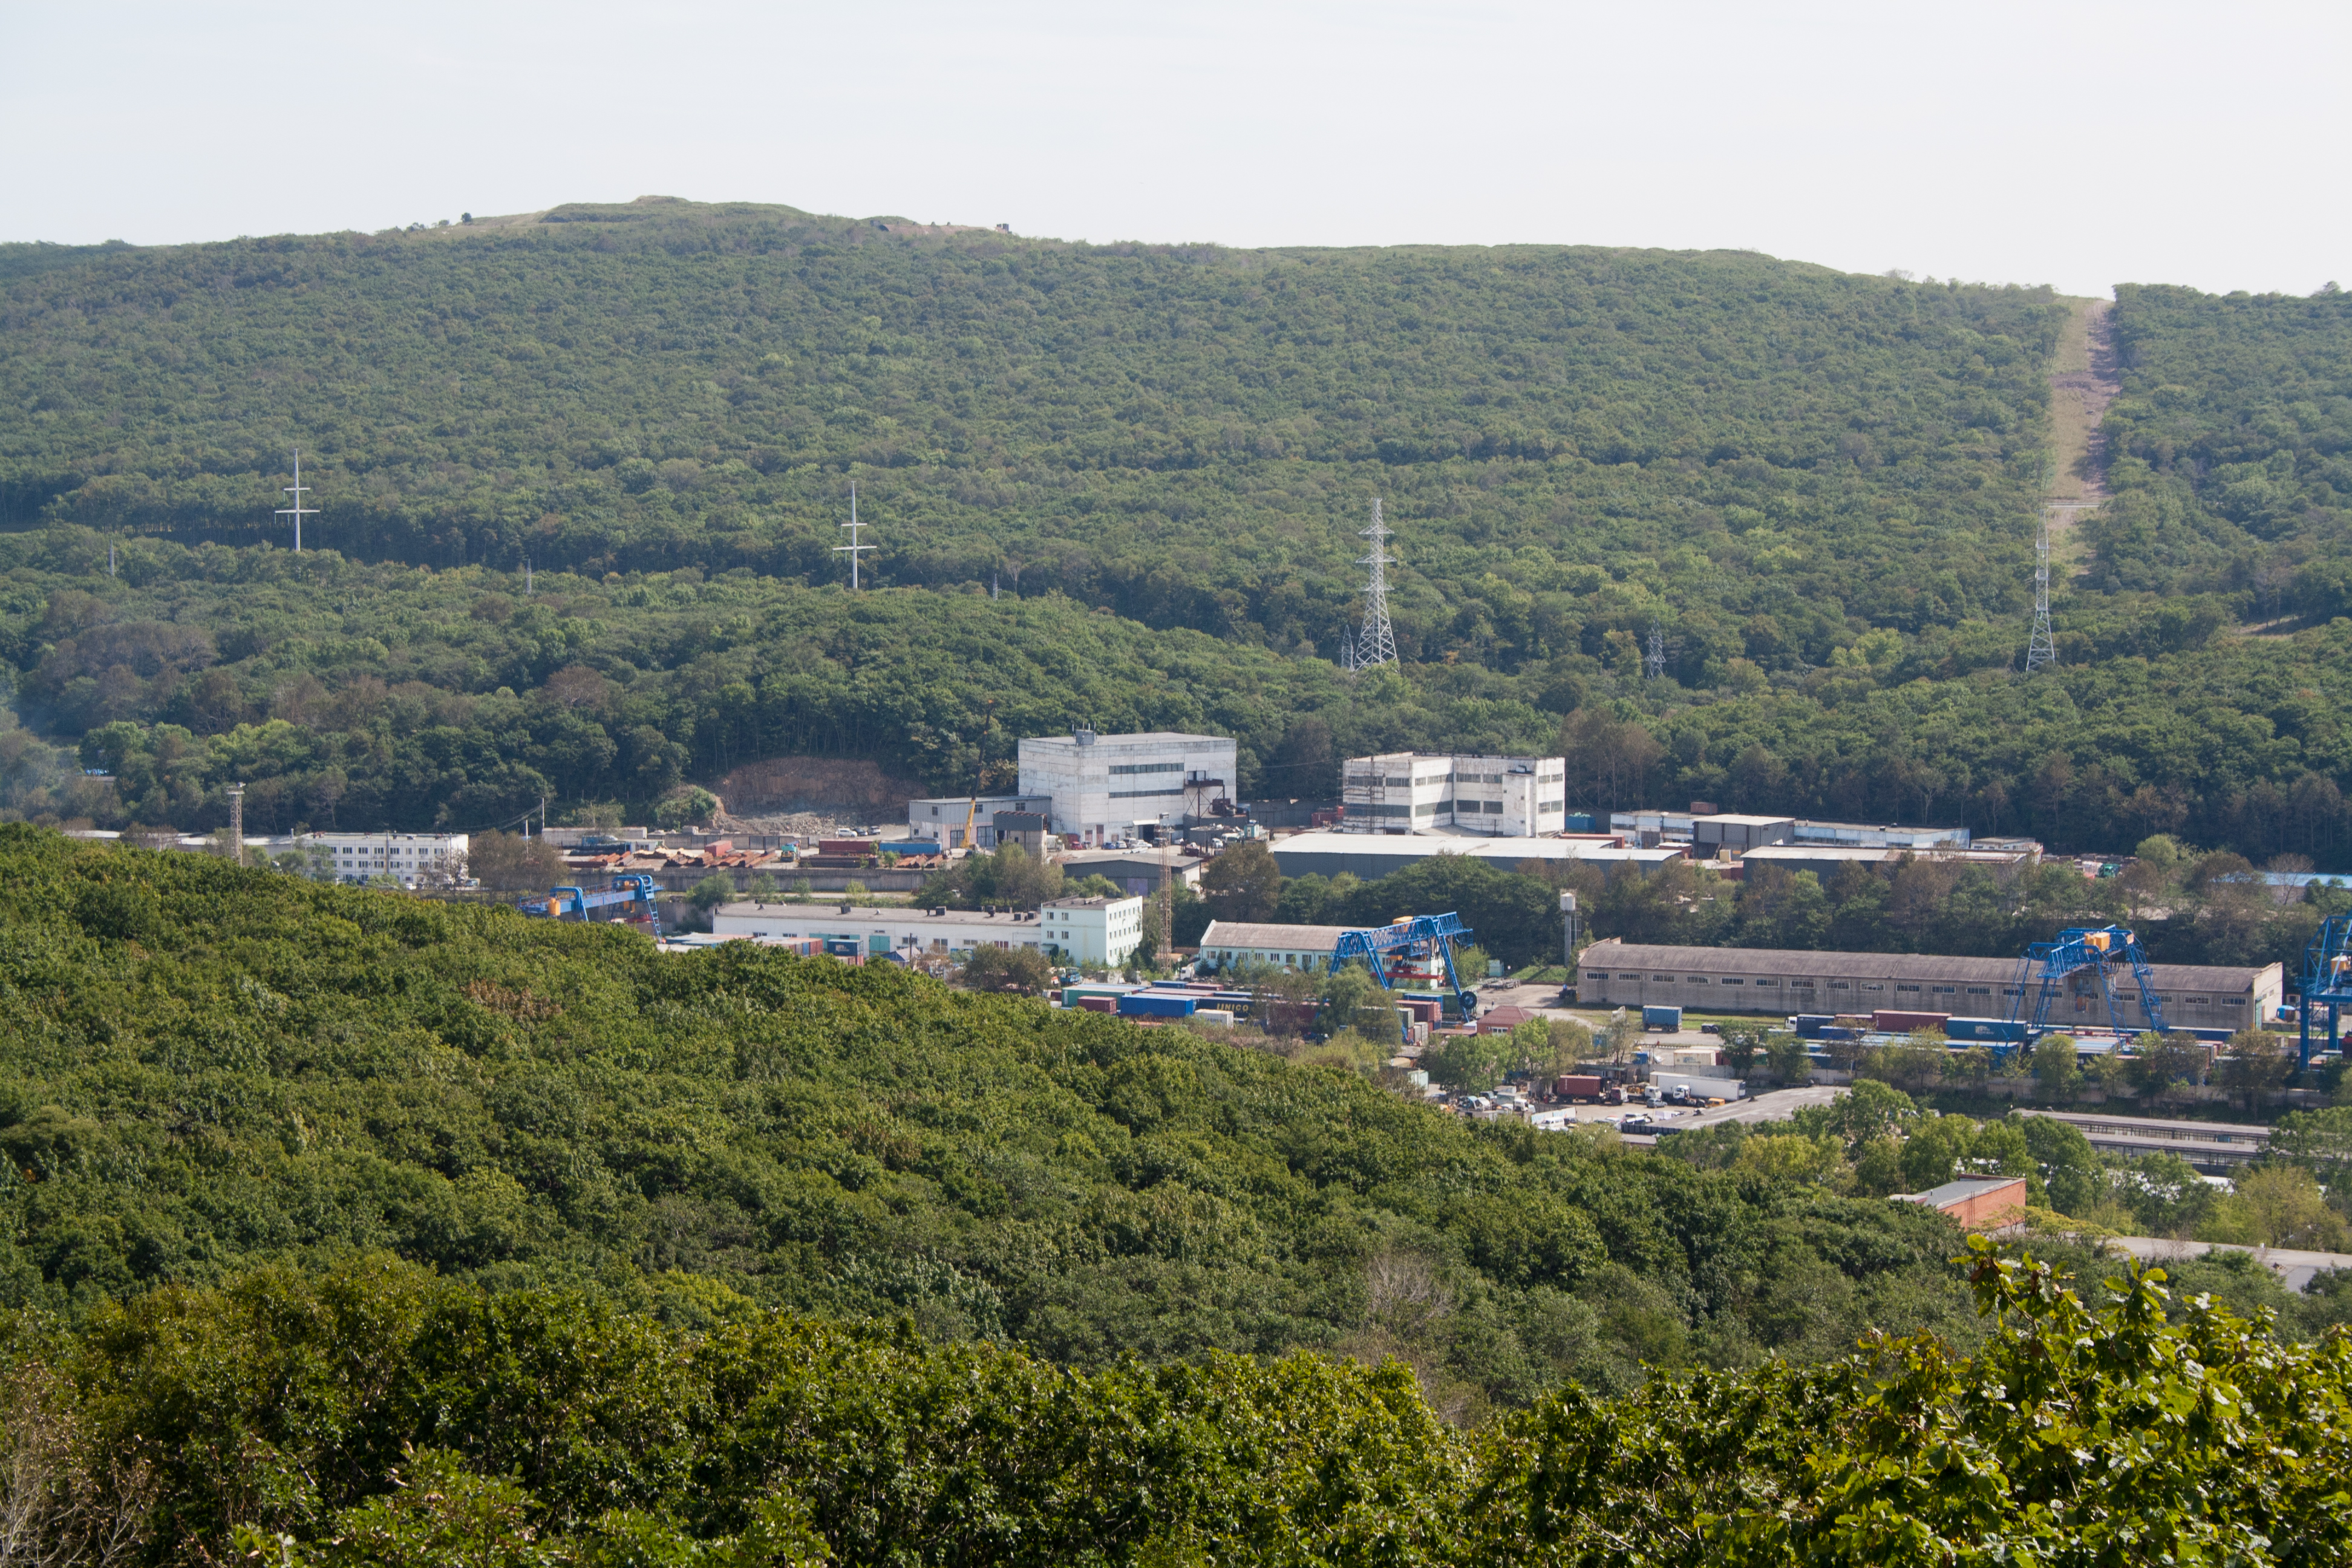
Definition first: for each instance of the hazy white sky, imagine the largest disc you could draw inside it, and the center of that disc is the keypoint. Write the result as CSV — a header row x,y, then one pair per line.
x,y
2078,144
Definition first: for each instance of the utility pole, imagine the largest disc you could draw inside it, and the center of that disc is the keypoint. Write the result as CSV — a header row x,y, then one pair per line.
x,y
526,576
236,821
298,512
1167,906
853,549
1568,934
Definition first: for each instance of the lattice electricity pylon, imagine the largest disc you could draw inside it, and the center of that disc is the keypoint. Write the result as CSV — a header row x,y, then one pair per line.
x,y
2081,948
1376,644
1656,662
2326,979
2041,648
1410,937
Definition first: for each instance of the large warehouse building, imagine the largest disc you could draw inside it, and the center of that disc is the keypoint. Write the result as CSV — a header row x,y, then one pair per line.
x,y
1104,788
1616,973
1422,792
1367,856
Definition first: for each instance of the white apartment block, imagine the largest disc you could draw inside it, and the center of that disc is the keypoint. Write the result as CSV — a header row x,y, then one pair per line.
x,y
1103,787
1105,932
358,857
1418,791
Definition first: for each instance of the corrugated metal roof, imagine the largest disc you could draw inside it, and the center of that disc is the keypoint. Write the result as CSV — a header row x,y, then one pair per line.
x,y
1957,1191
1262,937
1611,954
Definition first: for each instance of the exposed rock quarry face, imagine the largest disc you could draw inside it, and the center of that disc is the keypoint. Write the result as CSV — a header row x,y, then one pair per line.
x,y
835,788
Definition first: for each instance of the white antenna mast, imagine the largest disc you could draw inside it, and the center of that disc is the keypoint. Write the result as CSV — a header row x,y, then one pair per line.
x,y
298,512
853,549
1377,643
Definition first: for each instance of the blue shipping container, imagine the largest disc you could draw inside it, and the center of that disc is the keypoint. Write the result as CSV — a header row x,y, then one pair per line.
x,y
1662,1019
1579,822
1996,1029
1157,1004
1809,1025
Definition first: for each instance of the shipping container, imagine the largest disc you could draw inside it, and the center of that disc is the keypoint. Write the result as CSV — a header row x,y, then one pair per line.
x,y
1809,1025
1698,1087
1577,1086
1889,1022
1661,1017
1098,1004
1999,1031
845,846
1157,1004
1212,1015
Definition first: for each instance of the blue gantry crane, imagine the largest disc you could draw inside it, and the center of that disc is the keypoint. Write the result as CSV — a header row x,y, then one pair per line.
x,y
2326,979
629,888
1423,936
2082,961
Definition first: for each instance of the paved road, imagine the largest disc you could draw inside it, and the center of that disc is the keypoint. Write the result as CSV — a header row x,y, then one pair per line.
x,y
1777,1105
2294,1268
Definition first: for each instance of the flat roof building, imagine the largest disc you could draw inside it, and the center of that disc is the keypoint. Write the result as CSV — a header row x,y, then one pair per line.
x,y
1360,855
1101,788
1613,973
1423,792
1073,931
403,857
944,815
1826,860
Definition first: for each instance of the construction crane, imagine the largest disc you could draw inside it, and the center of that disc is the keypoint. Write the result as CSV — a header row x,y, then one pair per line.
x,y
1422,936
979,775
2326,980
633,889
2085,951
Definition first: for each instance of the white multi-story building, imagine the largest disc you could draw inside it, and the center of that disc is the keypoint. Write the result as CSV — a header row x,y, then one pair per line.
x,y
1417,791
405,856
1103,787
1105,932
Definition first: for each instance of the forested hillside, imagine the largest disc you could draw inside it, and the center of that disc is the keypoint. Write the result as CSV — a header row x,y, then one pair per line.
x,y
2231,450
416,1234
207,1069
1818,487
1188,436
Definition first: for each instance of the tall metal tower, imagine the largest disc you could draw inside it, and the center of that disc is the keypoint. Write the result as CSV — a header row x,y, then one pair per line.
x,y
298,512
237,822
2041,649
1376,644
853,549
1656,662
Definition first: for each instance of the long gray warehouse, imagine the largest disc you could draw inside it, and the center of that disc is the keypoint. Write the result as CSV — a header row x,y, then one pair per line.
x,y
1368,856
1768,980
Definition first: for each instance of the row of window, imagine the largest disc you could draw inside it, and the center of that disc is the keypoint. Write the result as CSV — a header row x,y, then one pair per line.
x,y
1147,767
1142,793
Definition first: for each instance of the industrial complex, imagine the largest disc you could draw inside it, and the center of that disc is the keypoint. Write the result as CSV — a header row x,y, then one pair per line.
x,y
1763,980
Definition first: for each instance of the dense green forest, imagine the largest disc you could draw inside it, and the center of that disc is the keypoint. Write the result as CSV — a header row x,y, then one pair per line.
x,y
2230,449
1819,488
1189,437
421,1232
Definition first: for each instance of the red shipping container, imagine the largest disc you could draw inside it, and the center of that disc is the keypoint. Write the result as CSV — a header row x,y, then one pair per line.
x,y
1099,1004
845,846
1893,1023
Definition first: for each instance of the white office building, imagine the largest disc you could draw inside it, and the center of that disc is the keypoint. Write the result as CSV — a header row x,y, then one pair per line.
x,y
1105,932
1103,787
407,856
1418,791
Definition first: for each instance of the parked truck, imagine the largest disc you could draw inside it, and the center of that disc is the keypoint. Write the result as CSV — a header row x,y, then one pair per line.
x,y
1689,1088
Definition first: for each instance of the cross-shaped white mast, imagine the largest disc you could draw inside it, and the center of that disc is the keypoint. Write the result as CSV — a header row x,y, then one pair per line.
x,y
853,549
298,512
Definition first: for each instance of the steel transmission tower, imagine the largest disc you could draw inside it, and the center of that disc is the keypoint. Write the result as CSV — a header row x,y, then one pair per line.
x,y
1376,644
1656,662
2042,650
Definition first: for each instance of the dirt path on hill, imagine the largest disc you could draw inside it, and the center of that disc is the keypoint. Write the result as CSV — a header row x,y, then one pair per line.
x,y
2082,381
